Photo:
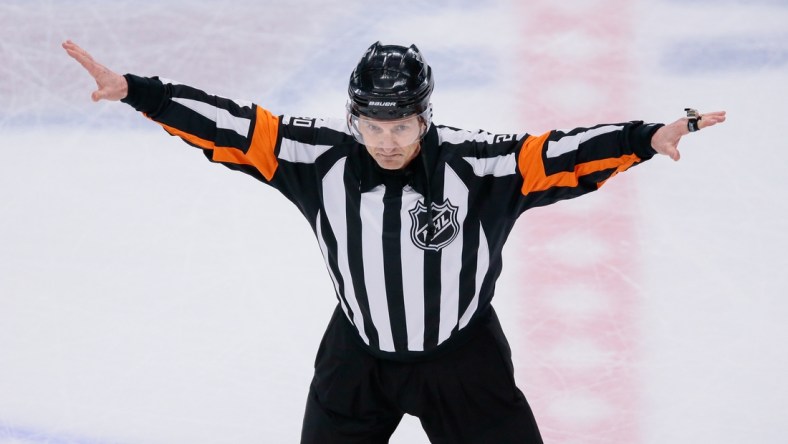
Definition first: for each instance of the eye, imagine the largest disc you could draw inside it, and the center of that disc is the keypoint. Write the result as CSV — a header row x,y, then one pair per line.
x,y
372,127
401,128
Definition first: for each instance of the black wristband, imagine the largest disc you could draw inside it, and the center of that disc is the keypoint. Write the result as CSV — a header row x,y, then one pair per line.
x,y
693,117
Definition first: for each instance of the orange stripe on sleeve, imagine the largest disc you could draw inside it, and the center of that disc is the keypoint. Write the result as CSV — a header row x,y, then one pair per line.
x,y
261,150
202,143
623,162
533,171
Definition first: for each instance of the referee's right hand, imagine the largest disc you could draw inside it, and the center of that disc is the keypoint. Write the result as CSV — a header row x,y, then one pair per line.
x,y
111,85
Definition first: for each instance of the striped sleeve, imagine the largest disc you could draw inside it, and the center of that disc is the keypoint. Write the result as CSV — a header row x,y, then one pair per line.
x,y
563,164
235,133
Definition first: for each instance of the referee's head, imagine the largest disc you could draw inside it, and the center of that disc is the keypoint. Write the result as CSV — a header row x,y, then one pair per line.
x,y
389,110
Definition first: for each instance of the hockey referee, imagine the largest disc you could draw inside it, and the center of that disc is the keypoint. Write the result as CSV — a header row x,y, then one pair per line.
x,y
411,218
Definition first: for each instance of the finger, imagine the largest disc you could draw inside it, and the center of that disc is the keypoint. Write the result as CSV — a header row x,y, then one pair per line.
x,y
81,57
716,115
84,58
711,119
71,46
75,50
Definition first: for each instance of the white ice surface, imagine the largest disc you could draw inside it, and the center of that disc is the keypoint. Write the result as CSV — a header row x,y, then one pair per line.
x,y
148,296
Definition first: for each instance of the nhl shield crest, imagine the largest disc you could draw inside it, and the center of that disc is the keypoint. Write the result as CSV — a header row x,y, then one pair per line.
x,y
444,218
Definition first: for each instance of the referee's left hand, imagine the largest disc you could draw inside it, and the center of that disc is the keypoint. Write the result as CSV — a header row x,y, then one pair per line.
x,y
666,139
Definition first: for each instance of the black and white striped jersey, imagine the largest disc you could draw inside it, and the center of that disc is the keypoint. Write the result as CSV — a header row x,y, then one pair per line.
x,y
407,289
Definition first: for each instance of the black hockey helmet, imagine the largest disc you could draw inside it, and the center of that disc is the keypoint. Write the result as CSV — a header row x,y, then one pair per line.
x,y
390,82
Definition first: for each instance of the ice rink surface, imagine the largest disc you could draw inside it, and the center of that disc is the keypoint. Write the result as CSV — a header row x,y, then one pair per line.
x,y
148,296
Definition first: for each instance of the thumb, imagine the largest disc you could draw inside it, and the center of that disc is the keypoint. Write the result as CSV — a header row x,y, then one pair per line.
x,y
674,154
98,94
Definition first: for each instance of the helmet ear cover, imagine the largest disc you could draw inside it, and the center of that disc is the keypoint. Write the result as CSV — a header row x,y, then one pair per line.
x,y
390,82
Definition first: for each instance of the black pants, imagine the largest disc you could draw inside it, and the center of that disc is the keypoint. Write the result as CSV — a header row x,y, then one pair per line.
x,y
467,395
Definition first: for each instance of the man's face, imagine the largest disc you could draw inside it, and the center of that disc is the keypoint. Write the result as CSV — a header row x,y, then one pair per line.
x,y
392,143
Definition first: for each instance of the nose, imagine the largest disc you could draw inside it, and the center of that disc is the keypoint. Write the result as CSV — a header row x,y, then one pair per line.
x,y
386,141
